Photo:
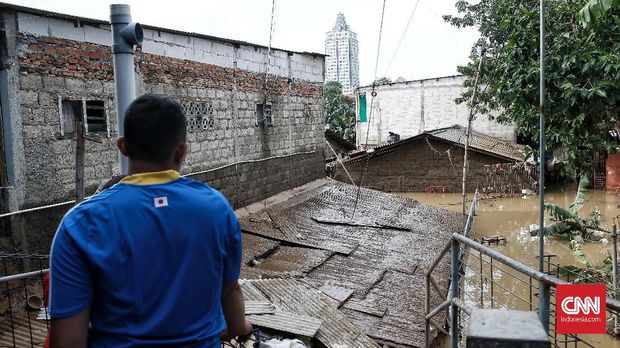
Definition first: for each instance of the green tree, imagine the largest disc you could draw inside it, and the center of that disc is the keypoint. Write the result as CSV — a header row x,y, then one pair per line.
x,y
582,72
381,81
339,111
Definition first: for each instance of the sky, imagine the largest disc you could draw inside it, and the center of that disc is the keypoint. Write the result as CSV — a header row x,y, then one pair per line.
x,y
430,47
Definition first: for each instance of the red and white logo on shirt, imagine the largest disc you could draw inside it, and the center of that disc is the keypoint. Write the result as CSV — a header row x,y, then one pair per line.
x,y
161,202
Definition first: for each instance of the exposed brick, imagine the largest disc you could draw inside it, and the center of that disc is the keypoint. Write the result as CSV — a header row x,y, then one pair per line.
x,y
420,168
64,68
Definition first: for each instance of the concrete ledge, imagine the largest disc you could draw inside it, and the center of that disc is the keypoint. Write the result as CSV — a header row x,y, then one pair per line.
x,y
280,197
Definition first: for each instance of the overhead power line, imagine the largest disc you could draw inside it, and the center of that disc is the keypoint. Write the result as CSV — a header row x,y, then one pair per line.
x,y
379,42
402,37
372,100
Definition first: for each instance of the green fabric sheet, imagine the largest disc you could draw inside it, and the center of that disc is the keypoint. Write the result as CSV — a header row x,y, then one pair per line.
x,y
363,107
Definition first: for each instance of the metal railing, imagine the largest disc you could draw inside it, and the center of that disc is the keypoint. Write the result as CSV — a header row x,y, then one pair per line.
x,y
21,293
476,271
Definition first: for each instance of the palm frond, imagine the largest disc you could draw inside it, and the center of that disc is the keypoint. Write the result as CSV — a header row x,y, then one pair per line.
x,y
562,227
558,213
580,197
575,246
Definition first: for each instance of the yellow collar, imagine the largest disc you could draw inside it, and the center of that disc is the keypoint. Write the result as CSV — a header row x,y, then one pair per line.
x,y
152,178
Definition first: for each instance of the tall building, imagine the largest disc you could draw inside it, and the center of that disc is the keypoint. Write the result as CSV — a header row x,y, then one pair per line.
x,y
342,61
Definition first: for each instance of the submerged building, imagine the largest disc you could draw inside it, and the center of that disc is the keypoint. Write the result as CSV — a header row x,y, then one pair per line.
x,y
433,162
342,61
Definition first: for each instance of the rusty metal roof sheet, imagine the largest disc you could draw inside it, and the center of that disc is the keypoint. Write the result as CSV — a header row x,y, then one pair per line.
x,y
295,296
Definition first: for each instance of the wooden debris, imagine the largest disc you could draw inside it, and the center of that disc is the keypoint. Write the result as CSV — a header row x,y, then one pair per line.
x,y
497,240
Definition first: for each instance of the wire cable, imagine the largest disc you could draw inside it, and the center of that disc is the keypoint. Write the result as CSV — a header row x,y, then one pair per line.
x,y
372,101
374,94
272,24
379,43
402,37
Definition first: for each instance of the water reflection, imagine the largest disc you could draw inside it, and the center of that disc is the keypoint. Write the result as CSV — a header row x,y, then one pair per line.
x,y
513,218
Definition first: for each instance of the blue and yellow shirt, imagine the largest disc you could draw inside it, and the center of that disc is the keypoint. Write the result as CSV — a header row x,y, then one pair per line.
x,y
148,256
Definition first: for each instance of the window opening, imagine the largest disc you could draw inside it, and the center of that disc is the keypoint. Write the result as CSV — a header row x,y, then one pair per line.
x,y
95,116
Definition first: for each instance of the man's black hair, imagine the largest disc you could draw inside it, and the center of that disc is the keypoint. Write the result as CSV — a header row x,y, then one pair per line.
x,y
154,126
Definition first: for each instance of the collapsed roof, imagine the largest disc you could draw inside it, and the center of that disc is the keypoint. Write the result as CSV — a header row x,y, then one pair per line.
x,y
360,252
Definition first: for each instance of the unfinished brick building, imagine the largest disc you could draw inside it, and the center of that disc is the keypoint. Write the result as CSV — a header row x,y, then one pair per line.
x,y
255,118
429,162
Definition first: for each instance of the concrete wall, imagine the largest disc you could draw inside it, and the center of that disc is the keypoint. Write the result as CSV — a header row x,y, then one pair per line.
x,y
58,59
420,167
410,108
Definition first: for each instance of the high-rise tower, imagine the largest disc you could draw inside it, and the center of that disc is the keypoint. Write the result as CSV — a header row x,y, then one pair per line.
x,y
342,62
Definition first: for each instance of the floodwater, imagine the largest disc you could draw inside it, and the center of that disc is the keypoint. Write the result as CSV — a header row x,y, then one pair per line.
x,y
513,218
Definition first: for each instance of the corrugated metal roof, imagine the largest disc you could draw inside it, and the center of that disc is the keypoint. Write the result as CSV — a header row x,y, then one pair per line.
x,y
454,135
378,286
281,224
287,322
480,141
24,336
259,307
295,296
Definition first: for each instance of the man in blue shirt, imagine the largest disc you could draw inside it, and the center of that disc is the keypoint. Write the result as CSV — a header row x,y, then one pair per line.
x,y
153,260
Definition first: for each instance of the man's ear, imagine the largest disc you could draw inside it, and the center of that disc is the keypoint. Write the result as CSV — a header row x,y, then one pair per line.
x,y
122,146
179,154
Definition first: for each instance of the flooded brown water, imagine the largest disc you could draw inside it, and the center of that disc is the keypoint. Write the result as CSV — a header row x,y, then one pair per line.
x,y
513,218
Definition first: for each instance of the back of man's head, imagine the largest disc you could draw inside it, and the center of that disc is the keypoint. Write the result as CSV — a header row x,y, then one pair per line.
x,y
154,127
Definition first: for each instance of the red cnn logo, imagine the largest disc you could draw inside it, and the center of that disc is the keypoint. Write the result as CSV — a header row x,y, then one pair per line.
x,y
580,309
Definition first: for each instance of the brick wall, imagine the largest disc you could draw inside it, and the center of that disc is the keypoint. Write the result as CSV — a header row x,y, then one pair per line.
x,y
420,167
416,106
53,68
227,77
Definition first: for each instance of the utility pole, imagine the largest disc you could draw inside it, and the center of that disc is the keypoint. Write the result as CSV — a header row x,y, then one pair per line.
x,y
543,298
468,130
125,35
79,154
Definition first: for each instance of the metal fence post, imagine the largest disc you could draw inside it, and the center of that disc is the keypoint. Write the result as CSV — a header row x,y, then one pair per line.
x,y
454,293
427,310
544,301
614,257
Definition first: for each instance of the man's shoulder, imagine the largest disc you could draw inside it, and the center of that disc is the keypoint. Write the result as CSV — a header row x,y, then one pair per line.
x,y
88,207
203,190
